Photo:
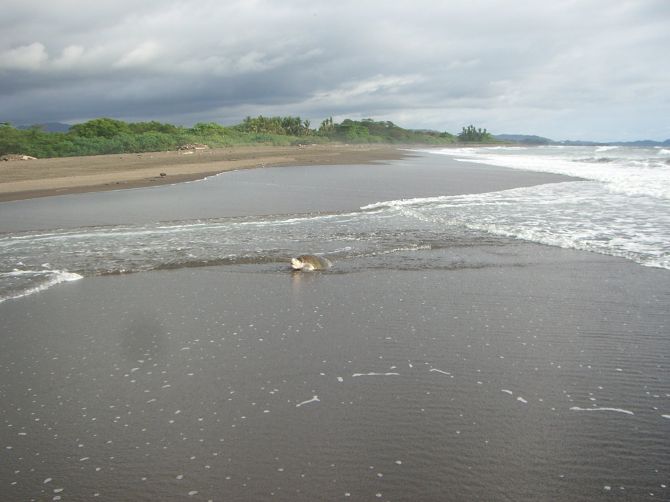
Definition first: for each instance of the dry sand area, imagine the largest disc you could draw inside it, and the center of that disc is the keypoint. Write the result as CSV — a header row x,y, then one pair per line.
x,y
57,176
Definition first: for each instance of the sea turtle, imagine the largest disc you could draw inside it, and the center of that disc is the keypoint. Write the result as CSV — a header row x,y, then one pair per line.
x,y
309,262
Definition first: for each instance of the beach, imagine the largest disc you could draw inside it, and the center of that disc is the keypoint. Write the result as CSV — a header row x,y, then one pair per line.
x,y
436,360
58,176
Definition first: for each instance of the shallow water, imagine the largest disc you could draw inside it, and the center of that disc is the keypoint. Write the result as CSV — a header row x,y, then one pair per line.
x,y
263,192
284,212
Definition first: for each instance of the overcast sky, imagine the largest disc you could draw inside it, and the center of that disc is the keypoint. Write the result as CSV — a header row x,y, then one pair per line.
x,y
565,69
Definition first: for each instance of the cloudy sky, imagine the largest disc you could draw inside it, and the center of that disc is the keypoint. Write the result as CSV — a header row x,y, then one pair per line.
x,y
566,69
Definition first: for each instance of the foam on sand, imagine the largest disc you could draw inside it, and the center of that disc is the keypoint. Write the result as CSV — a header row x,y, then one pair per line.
x,y
616,410
45,280
374,374
440,371
315,399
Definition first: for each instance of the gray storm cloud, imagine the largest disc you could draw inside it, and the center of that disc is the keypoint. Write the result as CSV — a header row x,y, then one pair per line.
x,y
590,69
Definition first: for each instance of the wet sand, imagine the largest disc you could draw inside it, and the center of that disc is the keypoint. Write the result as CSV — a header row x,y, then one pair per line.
x,y
58,176
240,383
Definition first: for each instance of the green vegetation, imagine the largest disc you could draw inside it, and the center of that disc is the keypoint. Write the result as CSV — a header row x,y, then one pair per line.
x,y
471,134
369,131
288,126
106,136
109,136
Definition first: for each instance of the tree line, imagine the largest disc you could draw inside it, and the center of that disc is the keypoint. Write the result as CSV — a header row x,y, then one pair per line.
x,y
109,136
471,134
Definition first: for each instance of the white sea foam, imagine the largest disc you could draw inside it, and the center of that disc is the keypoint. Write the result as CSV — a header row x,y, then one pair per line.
x,y
623,211
636,173
440,371
314,399
43,280
374,374
616,410
571,215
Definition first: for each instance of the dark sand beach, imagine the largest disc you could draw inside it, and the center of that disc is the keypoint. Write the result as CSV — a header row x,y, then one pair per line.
x,y
466,367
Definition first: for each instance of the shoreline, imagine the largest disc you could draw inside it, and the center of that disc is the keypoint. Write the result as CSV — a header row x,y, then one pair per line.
x,y
20,180
293,189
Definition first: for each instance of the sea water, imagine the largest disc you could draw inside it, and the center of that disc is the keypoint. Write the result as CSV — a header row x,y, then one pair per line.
x,y
621,209
618,203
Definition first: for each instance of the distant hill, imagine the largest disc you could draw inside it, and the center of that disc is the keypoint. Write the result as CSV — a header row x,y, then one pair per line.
x,y
525,139
48,127
644,142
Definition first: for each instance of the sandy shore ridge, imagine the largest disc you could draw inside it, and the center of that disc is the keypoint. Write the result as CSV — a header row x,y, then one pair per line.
x,y
57,176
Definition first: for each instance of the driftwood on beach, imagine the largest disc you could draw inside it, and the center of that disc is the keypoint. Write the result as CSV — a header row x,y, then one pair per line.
x,y
12,156
192,146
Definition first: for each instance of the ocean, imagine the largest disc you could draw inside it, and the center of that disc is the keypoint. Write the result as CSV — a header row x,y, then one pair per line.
x,y
487,332
623,208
